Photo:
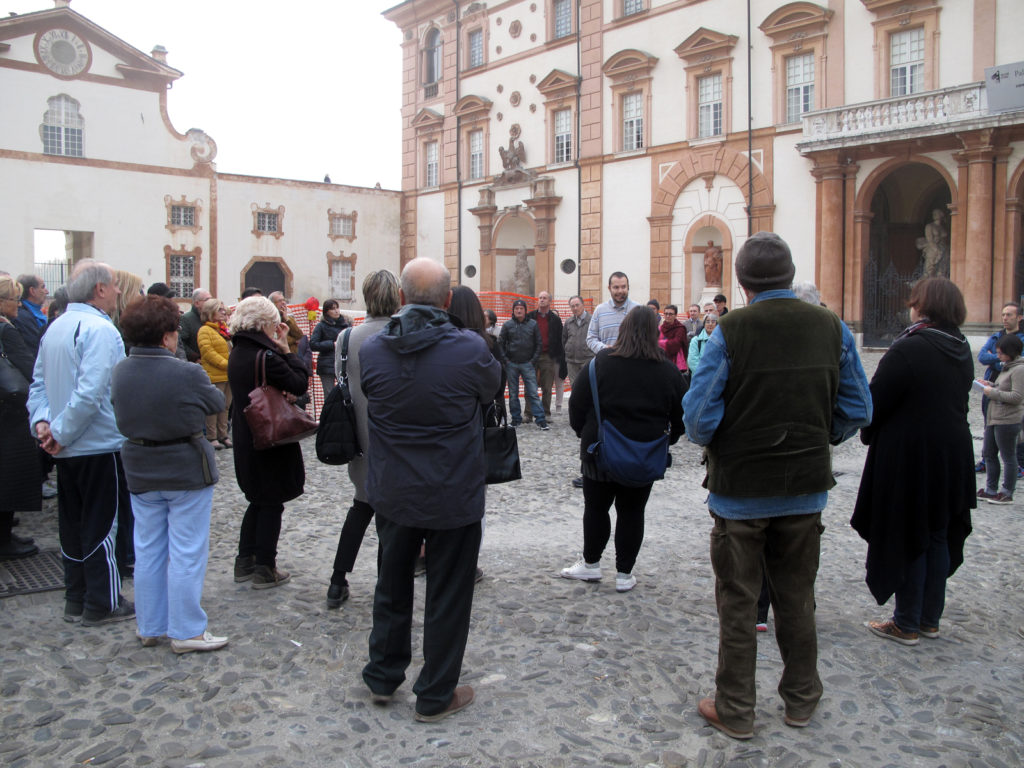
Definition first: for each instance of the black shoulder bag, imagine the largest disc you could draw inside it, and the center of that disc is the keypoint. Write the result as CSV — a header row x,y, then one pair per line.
x,y
336,439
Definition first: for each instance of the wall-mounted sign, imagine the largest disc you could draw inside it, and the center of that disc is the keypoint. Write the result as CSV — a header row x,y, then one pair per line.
x,y
1004,86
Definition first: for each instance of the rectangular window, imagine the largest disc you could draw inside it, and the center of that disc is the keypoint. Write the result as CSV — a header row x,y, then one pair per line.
x,y
476,154
563,136
432,165
183,215
563,18
799,86
709,106
266,222
633,121
341,226
476,48
182,268
629,7
906,62
343,271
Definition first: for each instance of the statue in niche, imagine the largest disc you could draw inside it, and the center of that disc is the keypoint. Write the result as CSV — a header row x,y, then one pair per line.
x,y
712,264
934,246
522,278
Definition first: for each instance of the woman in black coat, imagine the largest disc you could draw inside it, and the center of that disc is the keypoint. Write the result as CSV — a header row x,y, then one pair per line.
x,y
270,477
322,342
20,476
918,488
641,393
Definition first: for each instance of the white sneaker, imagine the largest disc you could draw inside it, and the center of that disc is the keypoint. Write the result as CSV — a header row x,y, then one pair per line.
x,y
624,582
580,570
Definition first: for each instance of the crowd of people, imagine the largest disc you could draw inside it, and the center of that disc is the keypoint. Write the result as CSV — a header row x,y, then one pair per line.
x,y
766,389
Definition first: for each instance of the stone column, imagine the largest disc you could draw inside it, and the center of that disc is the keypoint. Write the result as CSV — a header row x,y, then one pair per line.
x,y
829,175
976,284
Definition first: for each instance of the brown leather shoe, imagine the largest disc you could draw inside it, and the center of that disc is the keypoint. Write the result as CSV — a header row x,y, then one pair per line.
x,y
707,710
461,699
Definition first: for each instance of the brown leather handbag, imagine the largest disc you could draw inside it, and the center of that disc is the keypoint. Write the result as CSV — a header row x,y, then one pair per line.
x,y
271,418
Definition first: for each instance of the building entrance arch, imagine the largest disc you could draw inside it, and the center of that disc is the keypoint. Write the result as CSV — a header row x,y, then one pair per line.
x,y
907,217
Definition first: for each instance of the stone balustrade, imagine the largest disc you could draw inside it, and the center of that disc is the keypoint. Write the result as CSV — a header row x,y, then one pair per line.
x,y
938,111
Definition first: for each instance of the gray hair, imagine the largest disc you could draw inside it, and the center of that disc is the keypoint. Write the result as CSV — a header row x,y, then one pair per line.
x,y
197,293
27,283
254,314
808,291
380,293
87,274
425,281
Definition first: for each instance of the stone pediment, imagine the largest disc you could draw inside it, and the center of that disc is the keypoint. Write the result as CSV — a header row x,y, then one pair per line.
x,y
427,119
629,63
62,43
705,45
558,83
472,107
796,19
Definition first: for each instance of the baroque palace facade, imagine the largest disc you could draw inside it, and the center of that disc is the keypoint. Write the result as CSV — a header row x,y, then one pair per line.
x,y
580,137
87,149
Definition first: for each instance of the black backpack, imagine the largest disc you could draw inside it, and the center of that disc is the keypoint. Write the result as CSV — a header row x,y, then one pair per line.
x,y
336,438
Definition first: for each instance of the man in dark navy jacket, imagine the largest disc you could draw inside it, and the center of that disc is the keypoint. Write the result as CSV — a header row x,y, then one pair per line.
x,y
425,382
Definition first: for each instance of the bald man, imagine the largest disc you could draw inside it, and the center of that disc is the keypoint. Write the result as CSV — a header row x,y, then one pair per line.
x,y
425,383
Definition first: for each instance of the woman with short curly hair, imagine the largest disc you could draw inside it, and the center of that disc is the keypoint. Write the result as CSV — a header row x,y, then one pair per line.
x,y
160,404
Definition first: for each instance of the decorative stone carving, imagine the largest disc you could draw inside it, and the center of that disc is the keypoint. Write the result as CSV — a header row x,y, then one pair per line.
x,y
203,148
522,277
515,98
515,29
713,265
513,160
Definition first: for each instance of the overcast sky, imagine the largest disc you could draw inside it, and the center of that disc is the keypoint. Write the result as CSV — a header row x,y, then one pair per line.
x,y
291,90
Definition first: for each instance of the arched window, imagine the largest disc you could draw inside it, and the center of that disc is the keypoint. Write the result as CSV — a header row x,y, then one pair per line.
x,y
432,57
62,127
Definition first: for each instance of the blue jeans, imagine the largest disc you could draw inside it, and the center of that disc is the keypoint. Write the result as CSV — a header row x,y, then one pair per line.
x,y
919,602
529,374
172,544
1000,443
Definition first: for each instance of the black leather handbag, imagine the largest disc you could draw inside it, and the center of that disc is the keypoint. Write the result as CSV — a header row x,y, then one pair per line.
x,y
501,449
13,386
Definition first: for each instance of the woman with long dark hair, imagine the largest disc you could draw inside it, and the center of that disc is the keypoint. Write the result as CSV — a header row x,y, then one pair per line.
x,y
641,393
917,489
465,306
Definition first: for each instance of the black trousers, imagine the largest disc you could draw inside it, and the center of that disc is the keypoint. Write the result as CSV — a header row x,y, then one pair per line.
x,y
91,494
451,572
351,539
261,528
630,504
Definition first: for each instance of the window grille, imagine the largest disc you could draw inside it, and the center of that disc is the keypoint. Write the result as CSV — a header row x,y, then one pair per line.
x,y
799,86
563,136
906,62
709,105
632,121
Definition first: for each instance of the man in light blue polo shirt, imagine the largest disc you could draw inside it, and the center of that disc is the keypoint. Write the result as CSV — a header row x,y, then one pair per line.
x,y
71,415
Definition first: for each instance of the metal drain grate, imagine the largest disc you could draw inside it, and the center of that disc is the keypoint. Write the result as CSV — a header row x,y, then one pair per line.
x,y
41,572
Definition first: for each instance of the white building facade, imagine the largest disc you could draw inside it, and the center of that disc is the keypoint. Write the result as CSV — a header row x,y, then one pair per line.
x,y
590,136
87,148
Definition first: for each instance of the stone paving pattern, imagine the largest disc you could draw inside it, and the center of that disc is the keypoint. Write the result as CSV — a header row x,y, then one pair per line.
x,y
566,673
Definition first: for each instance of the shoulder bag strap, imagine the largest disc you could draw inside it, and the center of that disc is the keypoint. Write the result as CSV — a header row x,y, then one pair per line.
x,y
261,368
344,355
593,388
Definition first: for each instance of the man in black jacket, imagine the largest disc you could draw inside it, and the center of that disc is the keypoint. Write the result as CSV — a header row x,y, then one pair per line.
x,y
552,357
191,323
521,343
425,382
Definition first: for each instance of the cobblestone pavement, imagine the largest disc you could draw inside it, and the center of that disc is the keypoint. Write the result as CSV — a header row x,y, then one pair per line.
x,y
566,673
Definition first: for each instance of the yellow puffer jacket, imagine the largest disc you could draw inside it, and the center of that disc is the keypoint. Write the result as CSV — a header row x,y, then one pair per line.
x,y
213,352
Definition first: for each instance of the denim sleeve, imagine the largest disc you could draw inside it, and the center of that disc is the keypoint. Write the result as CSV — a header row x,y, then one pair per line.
x,y
703,404
853,402
987,355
